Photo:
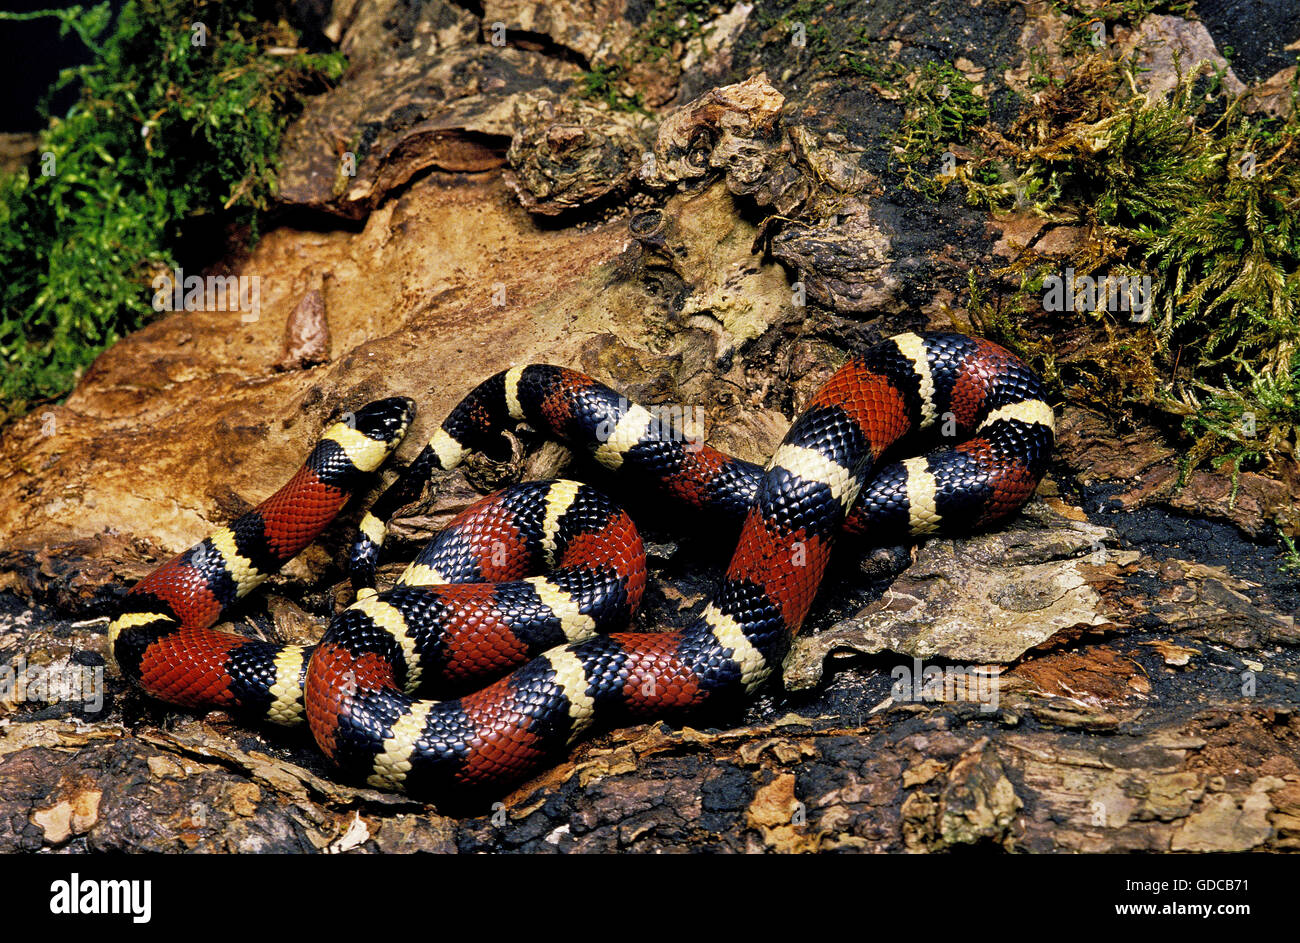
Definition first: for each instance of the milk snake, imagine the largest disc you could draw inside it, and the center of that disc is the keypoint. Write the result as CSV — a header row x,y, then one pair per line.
x,y
467,611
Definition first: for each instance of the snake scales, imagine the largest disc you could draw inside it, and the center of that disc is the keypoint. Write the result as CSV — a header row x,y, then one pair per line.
x,y
517,606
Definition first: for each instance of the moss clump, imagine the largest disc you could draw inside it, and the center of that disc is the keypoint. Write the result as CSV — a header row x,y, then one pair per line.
x,y
603,83
940,109
166,128
1202,198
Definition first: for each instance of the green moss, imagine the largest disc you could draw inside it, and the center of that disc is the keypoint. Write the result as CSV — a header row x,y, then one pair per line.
x,y
1247,427
1040,75
1290,554
164,130
1197,195
940,109
604,83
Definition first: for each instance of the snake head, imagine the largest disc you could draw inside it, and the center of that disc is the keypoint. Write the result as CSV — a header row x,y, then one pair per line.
x,y
372,433
384,420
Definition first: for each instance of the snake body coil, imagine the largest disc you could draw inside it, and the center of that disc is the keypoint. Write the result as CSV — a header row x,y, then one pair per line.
x,y
467,611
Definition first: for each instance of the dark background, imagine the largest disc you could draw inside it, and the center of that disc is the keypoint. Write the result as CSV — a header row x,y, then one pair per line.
x,y
36,55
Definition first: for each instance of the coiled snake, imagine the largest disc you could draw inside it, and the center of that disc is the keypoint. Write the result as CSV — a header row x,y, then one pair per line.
x,y
467,612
